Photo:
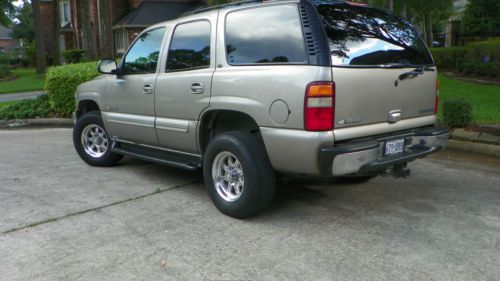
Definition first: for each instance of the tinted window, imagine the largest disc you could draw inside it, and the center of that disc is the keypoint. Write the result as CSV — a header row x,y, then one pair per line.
x,y
361,36
265,35
190,47
143,56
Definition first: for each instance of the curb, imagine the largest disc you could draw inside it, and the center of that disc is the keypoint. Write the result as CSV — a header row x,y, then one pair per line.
x,y
474,147
37,123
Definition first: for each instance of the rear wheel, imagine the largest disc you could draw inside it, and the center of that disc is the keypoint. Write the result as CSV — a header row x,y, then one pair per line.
x,y
92,142
238,175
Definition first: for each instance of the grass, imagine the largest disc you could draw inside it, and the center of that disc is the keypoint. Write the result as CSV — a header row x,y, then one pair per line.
x,y
485,99
27,80
6,103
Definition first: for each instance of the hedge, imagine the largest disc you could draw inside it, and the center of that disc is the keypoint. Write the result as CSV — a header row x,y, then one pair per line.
x,y
449,58
61,83
480,58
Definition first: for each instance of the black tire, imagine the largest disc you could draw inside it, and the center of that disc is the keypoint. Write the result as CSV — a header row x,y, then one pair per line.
x,y
108,158
259,179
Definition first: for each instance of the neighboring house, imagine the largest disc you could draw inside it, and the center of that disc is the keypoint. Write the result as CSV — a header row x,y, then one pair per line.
x,y
7,43
129,17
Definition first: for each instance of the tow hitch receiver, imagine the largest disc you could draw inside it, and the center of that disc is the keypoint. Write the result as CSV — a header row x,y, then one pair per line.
x,y
397,171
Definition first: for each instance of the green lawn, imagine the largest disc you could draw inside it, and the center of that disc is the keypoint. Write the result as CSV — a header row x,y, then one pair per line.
x,y
27,80
485,99
6,103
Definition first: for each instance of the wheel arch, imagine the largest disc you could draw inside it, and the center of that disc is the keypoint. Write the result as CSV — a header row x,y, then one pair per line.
x,y
218,121
84,106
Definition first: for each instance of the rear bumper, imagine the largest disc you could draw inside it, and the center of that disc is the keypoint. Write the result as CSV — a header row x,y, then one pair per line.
x,y
367,157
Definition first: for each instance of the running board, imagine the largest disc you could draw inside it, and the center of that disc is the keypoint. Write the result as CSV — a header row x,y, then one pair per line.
x,y
157,155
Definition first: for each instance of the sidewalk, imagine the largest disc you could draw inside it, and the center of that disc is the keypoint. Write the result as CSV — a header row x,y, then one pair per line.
x,y
20,96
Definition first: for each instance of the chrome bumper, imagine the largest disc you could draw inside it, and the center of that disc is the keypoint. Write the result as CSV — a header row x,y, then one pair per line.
x,y
367,157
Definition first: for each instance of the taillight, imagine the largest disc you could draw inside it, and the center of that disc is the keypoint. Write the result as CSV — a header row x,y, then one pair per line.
x,y
436,106
319,106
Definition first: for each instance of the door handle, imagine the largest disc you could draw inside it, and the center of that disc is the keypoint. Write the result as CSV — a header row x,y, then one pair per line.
x,y
197,88
147,89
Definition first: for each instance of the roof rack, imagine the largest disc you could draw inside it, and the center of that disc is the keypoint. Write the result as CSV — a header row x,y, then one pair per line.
x,y
233,4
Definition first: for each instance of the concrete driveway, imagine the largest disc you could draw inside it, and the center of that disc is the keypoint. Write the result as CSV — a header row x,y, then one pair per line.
x,y
63,220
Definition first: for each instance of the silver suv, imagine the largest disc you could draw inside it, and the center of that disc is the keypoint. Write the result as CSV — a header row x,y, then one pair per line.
x,y
249,89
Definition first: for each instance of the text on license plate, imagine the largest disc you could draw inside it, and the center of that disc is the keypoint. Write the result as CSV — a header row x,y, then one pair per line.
x,y
394,146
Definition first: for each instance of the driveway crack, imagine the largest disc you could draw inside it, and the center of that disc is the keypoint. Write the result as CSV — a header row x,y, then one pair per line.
x,y
97,208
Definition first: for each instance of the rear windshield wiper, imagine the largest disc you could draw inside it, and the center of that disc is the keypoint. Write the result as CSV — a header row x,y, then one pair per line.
x,y
416,72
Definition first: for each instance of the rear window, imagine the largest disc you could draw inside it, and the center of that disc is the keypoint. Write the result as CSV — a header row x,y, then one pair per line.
x,y
362,36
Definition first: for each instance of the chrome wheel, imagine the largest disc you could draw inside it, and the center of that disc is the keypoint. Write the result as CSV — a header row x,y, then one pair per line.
x,y
94,140
227,175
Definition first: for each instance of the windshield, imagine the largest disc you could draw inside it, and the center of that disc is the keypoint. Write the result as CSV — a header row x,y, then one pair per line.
x,y
362,36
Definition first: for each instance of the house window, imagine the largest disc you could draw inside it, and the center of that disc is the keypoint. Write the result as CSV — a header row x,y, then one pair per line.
x,y
121,41
65,13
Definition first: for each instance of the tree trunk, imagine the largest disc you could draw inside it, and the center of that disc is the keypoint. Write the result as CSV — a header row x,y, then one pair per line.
x,y
41,64
55,50
429,30
389,4
88,34
106,46
404,11
423,27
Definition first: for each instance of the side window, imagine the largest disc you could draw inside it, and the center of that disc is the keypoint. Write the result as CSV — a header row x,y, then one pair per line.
x,y
190,47
142,58
265,35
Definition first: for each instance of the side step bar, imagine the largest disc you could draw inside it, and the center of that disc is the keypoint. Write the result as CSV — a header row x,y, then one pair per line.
x,y
157,155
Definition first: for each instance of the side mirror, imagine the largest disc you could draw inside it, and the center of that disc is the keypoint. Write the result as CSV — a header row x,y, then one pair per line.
x,y
107,66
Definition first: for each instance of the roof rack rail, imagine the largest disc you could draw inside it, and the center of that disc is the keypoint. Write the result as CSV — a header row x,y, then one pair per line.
x,y
233,4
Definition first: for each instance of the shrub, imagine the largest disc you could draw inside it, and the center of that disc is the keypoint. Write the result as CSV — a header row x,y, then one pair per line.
x,y
457,113
448,58
61,83
31,54
4,58
4,71
73,56
29,108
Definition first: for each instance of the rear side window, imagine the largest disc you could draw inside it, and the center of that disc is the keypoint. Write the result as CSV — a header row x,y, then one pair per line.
x,y
265,35
190,47
362,36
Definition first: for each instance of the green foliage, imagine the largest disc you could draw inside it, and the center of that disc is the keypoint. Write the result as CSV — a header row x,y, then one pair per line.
x,y
457,113
4,58
31,54
73,56
29,108
23,28
4,71
482,58
448,58
61,83
482,18
6,11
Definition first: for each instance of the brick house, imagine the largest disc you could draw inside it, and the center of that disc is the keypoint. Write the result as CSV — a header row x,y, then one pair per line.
x,y
128,18
7,43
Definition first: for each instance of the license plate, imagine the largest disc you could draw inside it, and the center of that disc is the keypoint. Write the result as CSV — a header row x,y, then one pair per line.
x,y
394,147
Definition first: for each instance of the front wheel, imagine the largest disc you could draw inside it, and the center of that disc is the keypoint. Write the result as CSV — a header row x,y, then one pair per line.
x,y
92,142
238,176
